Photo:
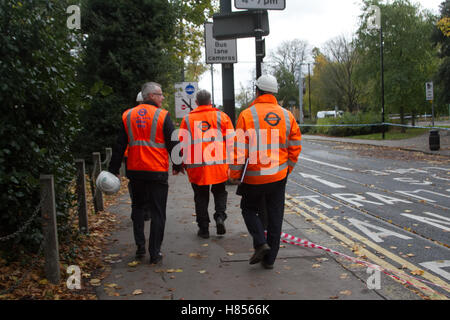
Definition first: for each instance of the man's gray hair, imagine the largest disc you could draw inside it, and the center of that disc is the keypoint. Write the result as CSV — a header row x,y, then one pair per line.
x,y
149,88
203,98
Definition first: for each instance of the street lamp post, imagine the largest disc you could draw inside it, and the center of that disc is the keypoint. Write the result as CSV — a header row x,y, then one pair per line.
x,y
300,93
374,22
309,85
382,80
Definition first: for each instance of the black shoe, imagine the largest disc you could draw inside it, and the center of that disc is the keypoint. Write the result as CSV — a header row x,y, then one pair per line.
x,y
156,260
203,232
140,252
266,265
259,254
220,226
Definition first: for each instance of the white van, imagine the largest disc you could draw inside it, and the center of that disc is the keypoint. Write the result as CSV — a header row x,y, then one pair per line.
x,y
328,114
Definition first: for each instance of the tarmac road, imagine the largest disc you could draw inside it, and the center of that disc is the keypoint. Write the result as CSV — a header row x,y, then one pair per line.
x,y
339,198
399,209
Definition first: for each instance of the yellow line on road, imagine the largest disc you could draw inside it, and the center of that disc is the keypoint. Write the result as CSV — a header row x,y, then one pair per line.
x,y
432,294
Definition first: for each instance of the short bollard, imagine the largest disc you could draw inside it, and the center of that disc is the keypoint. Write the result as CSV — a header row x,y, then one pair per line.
x,y
434,140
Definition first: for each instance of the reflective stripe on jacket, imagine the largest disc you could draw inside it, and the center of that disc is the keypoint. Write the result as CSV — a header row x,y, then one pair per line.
x,y
146,144
203,135
270,138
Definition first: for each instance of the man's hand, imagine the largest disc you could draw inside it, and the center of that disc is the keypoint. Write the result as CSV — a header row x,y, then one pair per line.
x,y
175,173
235,181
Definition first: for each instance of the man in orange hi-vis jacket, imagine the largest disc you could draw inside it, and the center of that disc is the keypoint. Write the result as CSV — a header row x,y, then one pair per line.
x,y
147,131
204,134
268,136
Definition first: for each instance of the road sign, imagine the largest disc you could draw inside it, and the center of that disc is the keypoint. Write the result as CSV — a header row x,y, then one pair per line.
x,y
260,4
185,93
224,51
429,91
240,24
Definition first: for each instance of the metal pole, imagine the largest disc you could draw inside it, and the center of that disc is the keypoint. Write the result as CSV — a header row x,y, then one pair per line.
x,y
212,83
382,79
258,43
300,94
432,112
228,76
309,89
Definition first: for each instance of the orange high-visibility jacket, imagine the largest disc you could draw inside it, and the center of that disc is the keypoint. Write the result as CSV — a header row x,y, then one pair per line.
x,y
146,146
204,134
270,138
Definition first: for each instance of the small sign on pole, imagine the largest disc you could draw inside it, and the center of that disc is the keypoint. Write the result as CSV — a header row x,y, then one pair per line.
x,y
185,93
260,4
429,91
224,51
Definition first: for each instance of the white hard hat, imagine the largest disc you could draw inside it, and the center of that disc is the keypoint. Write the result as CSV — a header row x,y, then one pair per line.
x,y
267,83
107,182
139,97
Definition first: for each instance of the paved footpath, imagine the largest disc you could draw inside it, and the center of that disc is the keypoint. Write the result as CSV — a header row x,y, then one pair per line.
x,y
217,268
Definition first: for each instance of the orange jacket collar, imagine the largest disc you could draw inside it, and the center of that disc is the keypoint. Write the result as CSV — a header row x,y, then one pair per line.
x,y
265,98
203,108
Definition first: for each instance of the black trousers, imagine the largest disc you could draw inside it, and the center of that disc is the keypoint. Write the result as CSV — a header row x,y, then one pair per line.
x,y
201,198
151,195
274,196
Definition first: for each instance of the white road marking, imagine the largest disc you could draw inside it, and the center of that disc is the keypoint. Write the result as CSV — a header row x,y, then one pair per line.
x,y
326,164
313,199
434,222
325,182
436,267
376,236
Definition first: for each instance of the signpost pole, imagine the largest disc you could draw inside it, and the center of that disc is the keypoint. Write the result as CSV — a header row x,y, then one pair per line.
x,y
228,76
258,43
212,83
382,81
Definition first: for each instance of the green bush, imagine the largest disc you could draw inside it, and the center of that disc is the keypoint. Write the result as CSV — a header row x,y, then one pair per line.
x,y
40,100
331,126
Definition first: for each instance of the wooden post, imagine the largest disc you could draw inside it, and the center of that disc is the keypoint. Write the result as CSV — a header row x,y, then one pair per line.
x,y
108,157
49,229
122,170
81,193
98,197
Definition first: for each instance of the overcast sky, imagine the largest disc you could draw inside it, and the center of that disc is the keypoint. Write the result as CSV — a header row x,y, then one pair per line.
x,y
314,21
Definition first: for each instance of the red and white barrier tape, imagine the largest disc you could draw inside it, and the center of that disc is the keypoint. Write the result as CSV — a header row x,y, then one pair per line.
x,y
290,239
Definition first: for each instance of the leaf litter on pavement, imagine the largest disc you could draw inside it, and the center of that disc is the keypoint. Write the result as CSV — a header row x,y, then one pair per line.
x,y
31,284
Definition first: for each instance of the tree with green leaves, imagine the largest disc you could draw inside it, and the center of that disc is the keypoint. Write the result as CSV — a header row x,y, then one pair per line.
x,y
285,63
409,60
40,101
441,40
130,42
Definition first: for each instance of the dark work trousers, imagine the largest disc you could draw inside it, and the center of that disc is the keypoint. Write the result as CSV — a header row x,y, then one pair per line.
x,y
274,195
152,195
131,193
201,198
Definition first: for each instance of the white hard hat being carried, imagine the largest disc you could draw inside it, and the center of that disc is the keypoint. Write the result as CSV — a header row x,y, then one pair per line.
x,y
267,83
107,182
139,97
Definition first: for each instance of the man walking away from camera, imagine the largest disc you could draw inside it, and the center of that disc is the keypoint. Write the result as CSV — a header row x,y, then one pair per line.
x,y
272,143
147,130
205,148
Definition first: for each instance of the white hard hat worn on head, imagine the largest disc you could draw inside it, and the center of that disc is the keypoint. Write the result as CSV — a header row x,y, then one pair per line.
x,y
107,182
139,97
267,83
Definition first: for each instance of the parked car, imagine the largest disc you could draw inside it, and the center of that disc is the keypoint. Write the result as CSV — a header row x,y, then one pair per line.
x,y
328,114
